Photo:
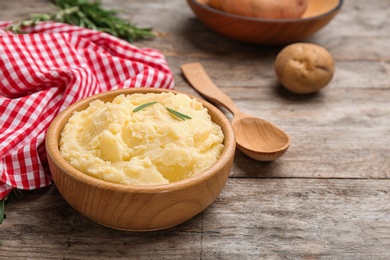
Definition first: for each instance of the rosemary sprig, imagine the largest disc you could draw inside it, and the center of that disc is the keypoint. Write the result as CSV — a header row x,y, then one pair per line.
x,y
144,105
178,114
170,110
14,194
2,210
88,15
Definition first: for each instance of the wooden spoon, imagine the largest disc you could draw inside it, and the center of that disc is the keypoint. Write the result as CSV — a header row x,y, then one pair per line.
x,y
257,138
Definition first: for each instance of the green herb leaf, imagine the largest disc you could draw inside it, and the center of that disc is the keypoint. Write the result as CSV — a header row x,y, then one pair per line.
x,y
88,15
178,114
144,105
14,194
2,209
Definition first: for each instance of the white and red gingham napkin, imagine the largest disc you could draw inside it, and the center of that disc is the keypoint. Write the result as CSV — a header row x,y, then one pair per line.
x,y
46,70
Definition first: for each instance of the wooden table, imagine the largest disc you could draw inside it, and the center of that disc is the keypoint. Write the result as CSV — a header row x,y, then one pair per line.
x,y
328,197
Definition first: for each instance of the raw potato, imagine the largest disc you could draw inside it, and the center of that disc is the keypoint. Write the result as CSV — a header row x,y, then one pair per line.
x,y
271,9
304,67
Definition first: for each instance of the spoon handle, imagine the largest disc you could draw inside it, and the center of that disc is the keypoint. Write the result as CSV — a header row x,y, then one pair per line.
x,y
198,78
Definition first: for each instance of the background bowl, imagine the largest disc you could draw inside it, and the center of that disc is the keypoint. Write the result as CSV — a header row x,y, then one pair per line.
x,y
136,208
267,31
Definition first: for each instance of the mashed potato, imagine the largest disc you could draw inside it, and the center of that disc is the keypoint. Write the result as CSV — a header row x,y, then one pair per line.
x,y
151,146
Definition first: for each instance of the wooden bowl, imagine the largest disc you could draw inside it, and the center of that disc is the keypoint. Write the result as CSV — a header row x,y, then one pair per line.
x,y
267,31
137,208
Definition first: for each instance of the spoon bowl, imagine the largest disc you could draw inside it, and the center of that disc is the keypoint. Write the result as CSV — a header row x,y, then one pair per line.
x,y
255,137
272,145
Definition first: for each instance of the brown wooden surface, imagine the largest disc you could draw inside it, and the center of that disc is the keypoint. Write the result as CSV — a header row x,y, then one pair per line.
x,y
328,197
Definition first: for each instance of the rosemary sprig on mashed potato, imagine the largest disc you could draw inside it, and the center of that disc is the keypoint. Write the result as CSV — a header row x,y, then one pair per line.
x,y
140,107
178,114
170,110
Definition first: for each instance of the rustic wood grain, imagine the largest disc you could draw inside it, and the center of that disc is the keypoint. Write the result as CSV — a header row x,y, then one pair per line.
x,y
251,219
326,198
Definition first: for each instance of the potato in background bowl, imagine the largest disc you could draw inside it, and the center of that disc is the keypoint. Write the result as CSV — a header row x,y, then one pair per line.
x,y
267,31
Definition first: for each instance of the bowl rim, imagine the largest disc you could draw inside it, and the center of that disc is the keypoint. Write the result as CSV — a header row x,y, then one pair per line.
x,y
268,20
52,148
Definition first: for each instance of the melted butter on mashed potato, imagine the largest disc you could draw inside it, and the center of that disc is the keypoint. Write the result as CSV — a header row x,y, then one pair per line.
x,y
151,146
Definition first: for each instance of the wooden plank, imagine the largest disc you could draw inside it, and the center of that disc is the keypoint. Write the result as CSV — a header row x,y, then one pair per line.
x,y
20,9
335,134
251,219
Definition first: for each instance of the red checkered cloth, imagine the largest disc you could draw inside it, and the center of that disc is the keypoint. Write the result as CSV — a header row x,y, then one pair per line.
x,y
46,70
